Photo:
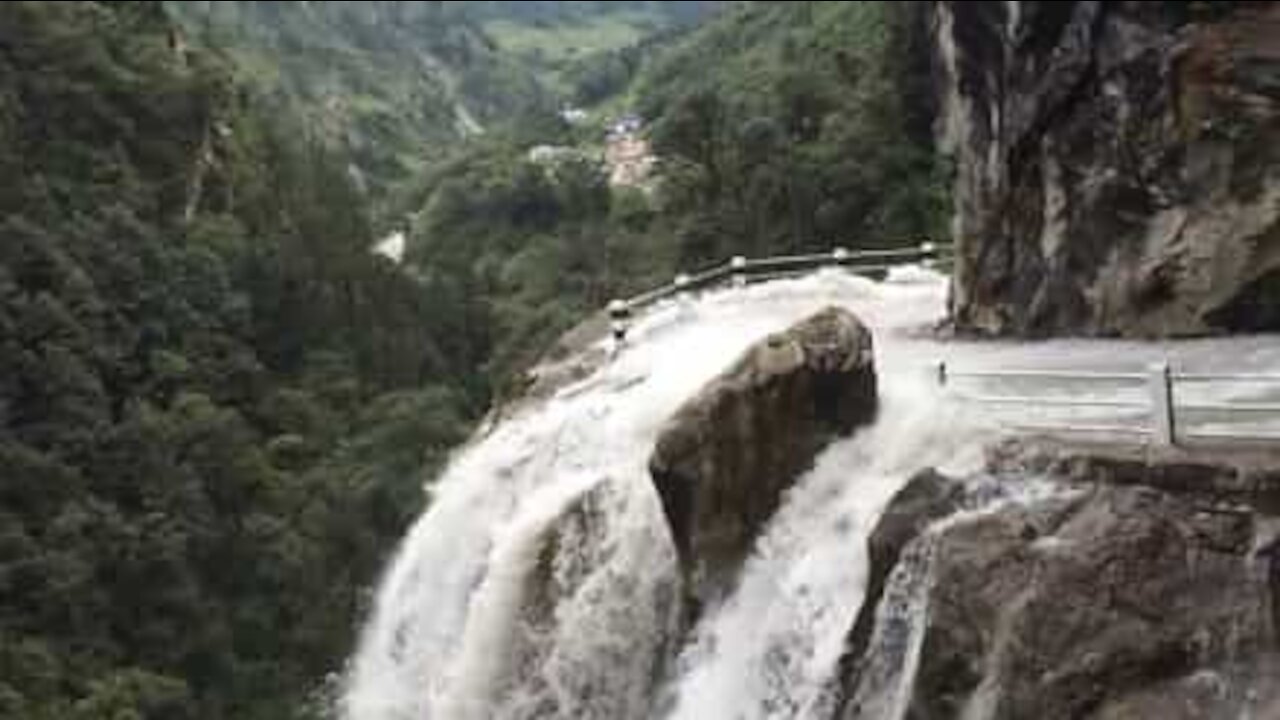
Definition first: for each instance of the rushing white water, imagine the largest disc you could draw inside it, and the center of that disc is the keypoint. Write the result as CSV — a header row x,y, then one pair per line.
x,y
884,685
886,677
541,581
448,613
770,650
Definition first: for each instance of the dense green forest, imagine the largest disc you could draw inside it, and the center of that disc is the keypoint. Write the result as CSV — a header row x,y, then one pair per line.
x,y
393,85
804,127
388,85
808,125
217,406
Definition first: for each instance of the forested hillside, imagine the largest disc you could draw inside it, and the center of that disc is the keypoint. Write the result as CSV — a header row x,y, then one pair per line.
x,y
778,127
388,84
806,125
392,85
571,45
215,405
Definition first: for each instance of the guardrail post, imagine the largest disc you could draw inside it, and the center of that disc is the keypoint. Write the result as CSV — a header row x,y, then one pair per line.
x,y
1160,385
928,254
619,314
938,372
681,283
738,268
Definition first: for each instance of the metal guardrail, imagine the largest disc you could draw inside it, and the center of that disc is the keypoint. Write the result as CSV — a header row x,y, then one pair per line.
x,y
1160,408
1167,418
741,270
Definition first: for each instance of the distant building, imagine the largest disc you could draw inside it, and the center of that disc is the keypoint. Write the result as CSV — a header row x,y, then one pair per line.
x,y
624,126
629,159
574,116
392,247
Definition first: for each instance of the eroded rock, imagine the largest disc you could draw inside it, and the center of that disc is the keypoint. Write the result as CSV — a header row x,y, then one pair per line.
x,y
926,498
722,463
1109,602
1117,165
550,667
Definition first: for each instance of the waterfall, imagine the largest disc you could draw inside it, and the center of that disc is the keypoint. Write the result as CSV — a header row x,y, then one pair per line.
x,y
884,687
542,582
770,651
885,681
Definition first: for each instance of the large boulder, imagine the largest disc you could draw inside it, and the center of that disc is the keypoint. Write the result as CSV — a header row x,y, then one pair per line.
x,y
573,357
723,460
1116,602
927,497
1118,165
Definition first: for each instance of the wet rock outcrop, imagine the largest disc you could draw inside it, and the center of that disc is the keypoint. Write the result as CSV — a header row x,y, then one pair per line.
x,y
926,498
573,357
722,463
1117,165
548,669
1103,602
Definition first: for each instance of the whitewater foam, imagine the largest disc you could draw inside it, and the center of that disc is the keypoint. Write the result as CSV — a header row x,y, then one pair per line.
x,y
541,582
434,645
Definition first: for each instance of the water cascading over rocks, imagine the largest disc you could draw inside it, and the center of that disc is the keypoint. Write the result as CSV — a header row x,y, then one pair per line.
x,y
724,460
1126,589
543,582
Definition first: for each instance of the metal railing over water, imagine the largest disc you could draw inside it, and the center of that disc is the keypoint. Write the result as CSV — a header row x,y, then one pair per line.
x,y
1158,414
741,270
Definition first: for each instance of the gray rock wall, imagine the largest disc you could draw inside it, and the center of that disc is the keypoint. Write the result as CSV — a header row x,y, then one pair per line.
x,y
1117,601
1117,165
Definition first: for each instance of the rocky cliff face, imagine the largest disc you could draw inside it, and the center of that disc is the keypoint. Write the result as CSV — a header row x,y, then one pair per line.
x,y
1117,167
724,460
1110,599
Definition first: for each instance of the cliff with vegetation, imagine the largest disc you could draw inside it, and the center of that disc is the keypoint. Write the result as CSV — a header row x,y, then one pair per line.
x,y
393,86
389,85
215,404
218,407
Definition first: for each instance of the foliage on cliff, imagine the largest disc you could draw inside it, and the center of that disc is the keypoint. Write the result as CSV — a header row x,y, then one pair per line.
x,y
803,128
215,404
387,84
392,85
779,127
217,407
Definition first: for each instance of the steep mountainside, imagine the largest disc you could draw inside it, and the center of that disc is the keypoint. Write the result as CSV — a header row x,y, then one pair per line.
x,y
215,403
389,83
778,127
395,84
1116,165
573,46
542,12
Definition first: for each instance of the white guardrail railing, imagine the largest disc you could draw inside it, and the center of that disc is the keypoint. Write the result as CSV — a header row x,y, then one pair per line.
x,y
1158,413
741,270
1161,416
